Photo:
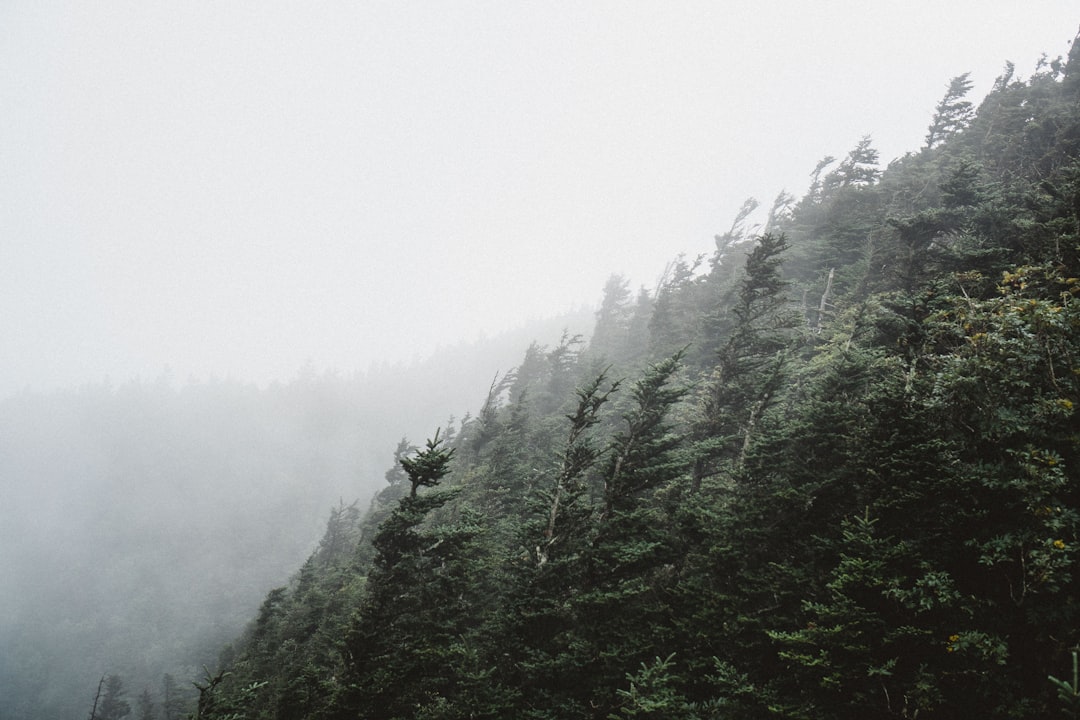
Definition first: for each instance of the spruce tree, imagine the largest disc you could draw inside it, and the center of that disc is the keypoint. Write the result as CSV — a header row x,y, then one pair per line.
x,y
750,365
952,114
622,606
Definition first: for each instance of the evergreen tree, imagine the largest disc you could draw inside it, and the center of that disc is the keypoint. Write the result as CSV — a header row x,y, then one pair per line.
x,y
628,560
113,704
611,333
673,324
640,457
814,193
858,169
750,365
146,706
953,113
543,629
173,702
406,646
737,233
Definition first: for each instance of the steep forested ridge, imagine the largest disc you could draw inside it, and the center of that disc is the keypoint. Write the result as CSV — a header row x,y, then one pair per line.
x,y
828,472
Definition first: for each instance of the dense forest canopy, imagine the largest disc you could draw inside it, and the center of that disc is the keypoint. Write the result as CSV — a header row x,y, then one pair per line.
x,y
829,471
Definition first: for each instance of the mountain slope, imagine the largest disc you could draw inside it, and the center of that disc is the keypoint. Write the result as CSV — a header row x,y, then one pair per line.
x,y
829,472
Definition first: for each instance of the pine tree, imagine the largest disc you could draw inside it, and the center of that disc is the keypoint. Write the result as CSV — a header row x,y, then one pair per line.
x,y
173,702
146,706
628,560
542,631
113,705
858,169
611,333
952,114
673,324
641,457
750,366
405,647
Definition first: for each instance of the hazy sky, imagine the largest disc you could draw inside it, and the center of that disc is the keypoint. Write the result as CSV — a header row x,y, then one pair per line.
x,y
235,188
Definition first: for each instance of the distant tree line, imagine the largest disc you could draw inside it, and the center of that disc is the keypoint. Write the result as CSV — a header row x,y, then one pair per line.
x,y
111,701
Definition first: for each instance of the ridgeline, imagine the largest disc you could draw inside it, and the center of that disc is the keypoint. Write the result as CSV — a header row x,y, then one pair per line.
x,y
830,471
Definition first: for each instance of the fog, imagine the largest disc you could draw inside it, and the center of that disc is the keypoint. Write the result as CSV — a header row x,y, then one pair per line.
x,y
235,189
141,524
246,247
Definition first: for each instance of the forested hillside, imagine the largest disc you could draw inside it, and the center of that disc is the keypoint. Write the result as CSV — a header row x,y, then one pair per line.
x,y
829,471
142,522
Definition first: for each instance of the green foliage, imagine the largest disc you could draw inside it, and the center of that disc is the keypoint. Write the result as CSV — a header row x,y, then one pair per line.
x,y
173,700
611,336
642,457
673,323
651,694
1068,693
427,468
859,169
749,368
863,503
953,113
146,706
111,702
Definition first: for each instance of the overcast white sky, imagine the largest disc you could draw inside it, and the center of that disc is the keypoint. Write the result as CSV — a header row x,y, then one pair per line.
x,y
234,188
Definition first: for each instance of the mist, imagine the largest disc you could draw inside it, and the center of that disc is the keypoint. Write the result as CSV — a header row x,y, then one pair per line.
x,y
143,523
237,190
246,248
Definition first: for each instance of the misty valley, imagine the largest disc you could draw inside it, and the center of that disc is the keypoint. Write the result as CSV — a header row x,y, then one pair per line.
x,y
827,470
